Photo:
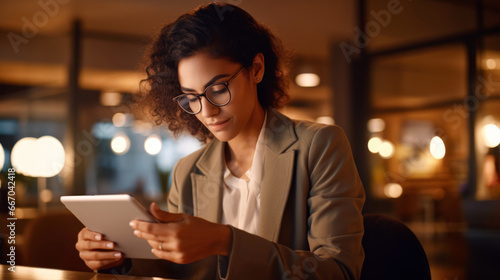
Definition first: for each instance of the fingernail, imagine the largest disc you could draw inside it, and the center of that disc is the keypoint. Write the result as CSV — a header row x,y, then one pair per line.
x,y
117,255
98,237
109,245
132,223
136,232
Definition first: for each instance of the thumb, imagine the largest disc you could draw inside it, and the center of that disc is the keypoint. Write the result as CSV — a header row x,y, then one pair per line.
x,y
164,216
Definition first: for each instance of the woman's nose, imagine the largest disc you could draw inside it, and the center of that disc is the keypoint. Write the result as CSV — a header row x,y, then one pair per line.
x,y
207,108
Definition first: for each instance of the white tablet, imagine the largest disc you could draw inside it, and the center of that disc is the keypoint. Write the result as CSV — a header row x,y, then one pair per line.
x,y
110,215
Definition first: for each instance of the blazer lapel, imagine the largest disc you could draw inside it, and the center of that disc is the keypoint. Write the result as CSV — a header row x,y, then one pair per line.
x,y
278,172
276,180
207,186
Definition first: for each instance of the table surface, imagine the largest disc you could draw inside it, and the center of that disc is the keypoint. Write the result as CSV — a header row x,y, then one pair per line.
x,y
29,273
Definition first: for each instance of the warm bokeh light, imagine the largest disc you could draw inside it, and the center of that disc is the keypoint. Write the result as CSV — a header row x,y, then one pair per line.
x,y
21,155
42,157
325,120
386,149
376,125
2,156
142,127
491,64
119,119
491,135
120,144
152,145
49,157
374,144
111,98
307,80
393,190
46,196
437,147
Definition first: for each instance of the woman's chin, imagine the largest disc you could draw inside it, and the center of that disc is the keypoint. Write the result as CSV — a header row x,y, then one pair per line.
x,y
223,136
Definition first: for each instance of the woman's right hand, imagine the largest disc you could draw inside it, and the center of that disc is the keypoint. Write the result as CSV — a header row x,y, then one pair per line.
x,y
97,252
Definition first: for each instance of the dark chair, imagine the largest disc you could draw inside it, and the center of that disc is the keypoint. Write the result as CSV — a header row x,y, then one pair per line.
x,y
392,251
50,242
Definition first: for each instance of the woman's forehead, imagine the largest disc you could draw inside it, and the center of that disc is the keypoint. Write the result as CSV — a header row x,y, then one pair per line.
x,y
198,69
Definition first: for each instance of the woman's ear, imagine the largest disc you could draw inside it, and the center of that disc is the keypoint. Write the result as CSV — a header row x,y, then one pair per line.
x,y
258,68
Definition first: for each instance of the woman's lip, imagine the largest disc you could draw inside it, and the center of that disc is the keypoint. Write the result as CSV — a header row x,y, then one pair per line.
x,y
218,125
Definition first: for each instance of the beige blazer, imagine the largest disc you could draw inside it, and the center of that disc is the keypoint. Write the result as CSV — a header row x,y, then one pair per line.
x,y
310,224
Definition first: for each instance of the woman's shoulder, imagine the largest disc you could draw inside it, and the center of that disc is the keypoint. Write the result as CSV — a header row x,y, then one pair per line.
x,y
304,132
188,163
301,127
318,131
191,159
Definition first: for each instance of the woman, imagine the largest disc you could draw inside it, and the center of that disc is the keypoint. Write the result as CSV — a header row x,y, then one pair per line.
x,y
267,197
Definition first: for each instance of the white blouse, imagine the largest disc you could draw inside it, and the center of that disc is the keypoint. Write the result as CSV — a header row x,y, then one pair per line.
x,y
241,198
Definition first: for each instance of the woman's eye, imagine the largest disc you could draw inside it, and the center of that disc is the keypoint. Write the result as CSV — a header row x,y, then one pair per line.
x,y
217,89
191,98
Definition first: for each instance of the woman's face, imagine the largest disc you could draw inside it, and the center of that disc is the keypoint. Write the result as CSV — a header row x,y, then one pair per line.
x,y
234,119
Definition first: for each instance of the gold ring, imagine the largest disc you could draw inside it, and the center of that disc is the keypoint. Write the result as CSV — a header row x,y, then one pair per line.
x,y
160,247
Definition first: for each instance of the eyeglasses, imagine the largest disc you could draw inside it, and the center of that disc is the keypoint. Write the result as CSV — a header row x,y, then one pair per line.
x,y
217,94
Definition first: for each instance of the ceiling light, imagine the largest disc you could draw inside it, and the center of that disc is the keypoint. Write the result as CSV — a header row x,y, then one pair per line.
x,y
437,148
50,157
307,80
374,144
491,135
491,64
119,119
393,190
376,125
325,120
120,144
21,155
2,156
111,98
152,145
386,149
42,157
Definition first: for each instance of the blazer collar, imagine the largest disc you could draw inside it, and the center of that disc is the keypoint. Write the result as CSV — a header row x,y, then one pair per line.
x,y
280,133
279,161
279,136
207,185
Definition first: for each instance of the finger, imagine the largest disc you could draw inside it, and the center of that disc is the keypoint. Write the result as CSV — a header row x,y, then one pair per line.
x,y
164,216
167,246
87,234
145,226
156,244
100,255
150,236
92,245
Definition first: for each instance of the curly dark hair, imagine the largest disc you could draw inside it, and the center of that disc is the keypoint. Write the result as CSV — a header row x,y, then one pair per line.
x,y
222,31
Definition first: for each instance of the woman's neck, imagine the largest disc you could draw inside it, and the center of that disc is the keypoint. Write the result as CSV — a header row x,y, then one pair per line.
x,y
240,150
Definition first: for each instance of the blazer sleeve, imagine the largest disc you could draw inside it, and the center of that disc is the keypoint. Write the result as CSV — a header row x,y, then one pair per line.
x,y
335,223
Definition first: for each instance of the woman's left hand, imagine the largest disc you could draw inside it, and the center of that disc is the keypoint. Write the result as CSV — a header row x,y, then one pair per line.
x,y
183,238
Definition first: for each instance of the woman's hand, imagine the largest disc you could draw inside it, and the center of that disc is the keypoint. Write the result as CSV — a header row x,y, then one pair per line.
x,y
97,252
182,238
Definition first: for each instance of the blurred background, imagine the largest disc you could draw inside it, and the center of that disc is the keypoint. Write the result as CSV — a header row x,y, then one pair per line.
x,y
414,84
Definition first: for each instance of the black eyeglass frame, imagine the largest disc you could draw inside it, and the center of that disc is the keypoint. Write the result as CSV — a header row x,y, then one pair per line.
x,y
204,94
